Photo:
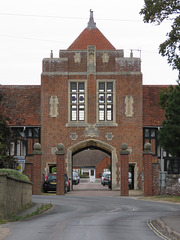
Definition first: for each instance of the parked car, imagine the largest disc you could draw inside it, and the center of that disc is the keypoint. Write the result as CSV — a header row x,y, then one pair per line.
x,y
67,182
78,177
106,179
75,179
103,175
50,183
130,180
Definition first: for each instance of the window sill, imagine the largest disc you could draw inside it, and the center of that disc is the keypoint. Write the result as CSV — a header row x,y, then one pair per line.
x,y
106,124
76,124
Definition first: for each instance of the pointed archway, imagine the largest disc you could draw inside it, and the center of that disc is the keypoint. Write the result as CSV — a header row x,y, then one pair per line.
x,y
94,143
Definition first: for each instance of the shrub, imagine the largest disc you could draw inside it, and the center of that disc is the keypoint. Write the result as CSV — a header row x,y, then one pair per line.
x,y
15,174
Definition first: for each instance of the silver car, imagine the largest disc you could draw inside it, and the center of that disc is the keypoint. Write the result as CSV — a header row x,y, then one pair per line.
x,y
103,176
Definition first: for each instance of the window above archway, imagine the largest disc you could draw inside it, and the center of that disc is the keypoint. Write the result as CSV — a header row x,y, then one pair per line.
x,y
106,102
77,111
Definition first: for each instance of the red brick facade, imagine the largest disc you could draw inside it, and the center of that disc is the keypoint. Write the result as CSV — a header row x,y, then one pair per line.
x,y
104,164
124,162
148,173
60,176
90,59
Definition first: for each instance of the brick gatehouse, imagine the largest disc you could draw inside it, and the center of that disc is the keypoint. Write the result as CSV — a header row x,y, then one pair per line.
x,y
91,98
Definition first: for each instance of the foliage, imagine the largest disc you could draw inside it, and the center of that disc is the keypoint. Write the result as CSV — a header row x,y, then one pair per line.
x,y
54,169
169,134
6,139
15,174
157,11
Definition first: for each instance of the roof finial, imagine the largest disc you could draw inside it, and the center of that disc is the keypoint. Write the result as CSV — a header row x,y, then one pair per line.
x,y
91,23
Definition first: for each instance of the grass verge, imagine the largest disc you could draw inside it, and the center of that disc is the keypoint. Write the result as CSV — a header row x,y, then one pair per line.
x,y
43,208
171,199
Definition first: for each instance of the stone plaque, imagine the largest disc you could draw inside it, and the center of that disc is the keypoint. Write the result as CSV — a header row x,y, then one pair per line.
x,y
129,106
54,106
77,57
105,58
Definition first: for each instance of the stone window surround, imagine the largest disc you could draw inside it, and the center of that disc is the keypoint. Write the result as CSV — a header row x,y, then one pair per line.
x,y
106,123
77,123
98,123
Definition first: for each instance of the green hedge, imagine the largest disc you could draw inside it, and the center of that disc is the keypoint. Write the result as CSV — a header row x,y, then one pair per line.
x,y
15,174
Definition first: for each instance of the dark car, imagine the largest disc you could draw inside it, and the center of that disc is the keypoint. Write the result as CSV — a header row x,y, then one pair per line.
x,y
51,181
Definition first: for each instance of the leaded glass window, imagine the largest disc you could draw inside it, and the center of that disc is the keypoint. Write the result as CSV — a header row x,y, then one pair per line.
x,y
77,101
105,101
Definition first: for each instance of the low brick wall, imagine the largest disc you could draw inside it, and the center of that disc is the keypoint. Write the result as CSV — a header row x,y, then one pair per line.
x,y
13,195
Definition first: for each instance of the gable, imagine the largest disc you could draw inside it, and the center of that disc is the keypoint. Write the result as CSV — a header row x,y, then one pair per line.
x,y
91,37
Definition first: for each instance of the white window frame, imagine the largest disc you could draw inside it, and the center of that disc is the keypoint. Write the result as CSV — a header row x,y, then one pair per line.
x,y
106,122
77,122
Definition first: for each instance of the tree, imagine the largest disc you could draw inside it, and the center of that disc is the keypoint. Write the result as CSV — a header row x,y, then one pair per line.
x,y
169,134
6,139
156,11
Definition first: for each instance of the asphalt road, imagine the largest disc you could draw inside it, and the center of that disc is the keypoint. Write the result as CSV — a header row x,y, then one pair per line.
x,y
84,217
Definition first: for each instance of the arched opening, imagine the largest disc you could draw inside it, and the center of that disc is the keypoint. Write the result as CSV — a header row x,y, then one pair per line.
x,y
93,145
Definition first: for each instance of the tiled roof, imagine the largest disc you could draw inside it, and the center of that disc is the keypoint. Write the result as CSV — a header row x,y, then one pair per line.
x,y
152,112
88,158
21,104
91,37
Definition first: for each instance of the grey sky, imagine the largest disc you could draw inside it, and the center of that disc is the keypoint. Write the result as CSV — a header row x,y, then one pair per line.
x,y
31,29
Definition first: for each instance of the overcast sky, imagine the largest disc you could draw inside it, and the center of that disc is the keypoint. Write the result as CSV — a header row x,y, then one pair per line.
x,y
29,30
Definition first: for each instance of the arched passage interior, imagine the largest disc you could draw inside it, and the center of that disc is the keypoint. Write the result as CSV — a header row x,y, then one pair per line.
x,y
93,144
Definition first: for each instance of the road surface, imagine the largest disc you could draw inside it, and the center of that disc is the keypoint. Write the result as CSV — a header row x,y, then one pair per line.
x,y
85,216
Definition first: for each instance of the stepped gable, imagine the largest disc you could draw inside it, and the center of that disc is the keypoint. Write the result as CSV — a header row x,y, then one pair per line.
x,y
91,36
153,115
21,104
